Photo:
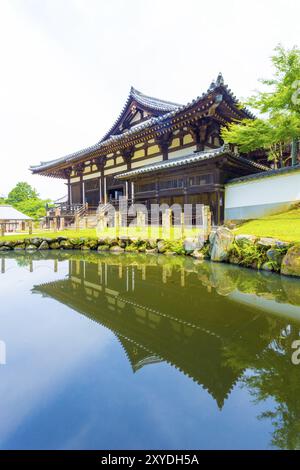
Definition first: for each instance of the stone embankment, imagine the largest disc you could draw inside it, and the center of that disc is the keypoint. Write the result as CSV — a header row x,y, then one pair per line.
x,y
223,245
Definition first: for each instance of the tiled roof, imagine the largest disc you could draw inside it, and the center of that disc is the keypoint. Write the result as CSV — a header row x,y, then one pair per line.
x,y
175,109
151,102
266,174
10,213
154,104
189,159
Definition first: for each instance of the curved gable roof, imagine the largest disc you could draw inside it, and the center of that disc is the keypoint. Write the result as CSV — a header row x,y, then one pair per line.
x,y
160,117
154,106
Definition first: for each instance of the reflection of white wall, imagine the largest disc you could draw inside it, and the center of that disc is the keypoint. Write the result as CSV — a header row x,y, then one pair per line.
x,y
257,197
2,353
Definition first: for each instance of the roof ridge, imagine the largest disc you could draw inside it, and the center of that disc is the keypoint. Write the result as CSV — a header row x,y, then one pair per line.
x,y
219,83
137,93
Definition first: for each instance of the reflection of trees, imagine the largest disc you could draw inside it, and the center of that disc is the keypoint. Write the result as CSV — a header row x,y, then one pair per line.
x,y
273,375
24,260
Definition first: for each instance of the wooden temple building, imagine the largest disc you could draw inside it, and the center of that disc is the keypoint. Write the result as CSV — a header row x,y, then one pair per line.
x,y
160,152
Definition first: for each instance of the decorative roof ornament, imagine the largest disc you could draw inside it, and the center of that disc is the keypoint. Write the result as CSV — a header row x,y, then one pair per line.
x,y
220,80
212,86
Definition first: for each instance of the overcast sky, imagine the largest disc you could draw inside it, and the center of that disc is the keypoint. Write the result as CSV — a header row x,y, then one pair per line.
x,y
67,66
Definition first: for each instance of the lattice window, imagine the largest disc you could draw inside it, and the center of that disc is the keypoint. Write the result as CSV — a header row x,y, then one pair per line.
x,y
200,180
171,184
91,185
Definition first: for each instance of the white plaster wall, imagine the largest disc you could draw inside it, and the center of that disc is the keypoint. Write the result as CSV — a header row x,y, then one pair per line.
x,y
260,196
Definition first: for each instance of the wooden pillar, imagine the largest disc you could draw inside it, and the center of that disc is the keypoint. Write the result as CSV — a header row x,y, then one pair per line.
x,y
163,142
83,191
69,192
221,207
101,189
104,190
30,227
81,188
2,230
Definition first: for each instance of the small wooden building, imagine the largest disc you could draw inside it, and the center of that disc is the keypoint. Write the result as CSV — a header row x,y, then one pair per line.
x,y
12,220
160,152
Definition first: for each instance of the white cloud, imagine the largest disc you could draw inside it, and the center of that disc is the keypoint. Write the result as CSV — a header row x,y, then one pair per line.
x,y
67,66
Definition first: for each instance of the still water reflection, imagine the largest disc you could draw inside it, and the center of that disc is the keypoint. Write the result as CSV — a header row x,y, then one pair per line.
x,y
141,351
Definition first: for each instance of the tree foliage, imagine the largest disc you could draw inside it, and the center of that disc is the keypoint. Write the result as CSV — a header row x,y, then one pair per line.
x,y
279,110
21,192
26,199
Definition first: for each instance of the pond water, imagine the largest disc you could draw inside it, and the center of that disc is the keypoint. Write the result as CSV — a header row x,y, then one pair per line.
x,y
144,351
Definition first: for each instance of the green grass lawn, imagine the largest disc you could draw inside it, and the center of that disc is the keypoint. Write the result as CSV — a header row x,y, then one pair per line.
x,y
135,232
284,226
86,233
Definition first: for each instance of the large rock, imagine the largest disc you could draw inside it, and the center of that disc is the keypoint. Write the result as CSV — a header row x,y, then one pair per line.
x,y
151,250
10,243
276,256
197,254
92,244
245,240
222,243
116,249
162,246
54,246
266,242
290,265
151,242
36,241
76,242
66,245
20,247
103,248
44,246
267,266
192,244
131,248
31,247
5,248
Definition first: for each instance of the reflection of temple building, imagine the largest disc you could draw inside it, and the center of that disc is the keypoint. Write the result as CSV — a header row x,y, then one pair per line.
x,y
209,339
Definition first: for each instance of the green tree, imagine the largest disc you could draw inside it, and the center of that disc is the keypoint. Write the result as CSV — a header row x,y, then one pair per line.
x,y
26,199
22,192
34,208
278,127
